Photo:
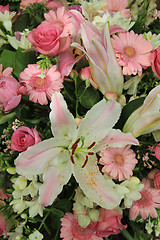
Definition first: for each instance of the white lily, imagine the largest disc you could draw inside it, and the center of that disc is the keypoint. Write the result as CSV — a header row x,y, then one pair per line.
x,y
73,151
145,119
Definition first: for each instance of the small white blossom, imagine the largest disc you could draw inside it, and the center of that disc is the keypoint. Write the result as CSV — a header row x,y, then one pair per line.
x,y
149,225
116,19
134,187
36,236
153,38
6,19
23,43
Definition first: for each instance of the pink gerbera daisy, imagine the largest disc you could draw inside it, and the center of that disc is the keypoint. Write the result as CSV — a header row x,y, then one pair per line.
x,y
150,199
114,6
118,162
61,19
72,231
41,85
133,52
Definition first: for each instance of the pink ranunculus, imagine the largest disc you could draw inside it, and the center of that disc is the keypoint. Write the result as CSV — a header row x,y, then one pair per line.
x,y
24,137
9,98
48,40
109,222
3,225
155,62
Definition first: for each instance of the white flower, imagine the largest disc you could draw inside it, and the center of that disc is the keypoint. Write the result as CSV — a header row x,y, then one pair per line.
x,y
23,43
73,151
35,208
19,205
36,236
116,19
157,229
134,187
6,18
91,8
149,225
153,38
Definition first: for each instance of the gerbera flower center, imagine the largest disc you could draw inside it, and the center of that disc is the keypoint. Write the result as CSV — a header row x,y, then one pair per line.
x,y
40,82
129,51
146,199
118,159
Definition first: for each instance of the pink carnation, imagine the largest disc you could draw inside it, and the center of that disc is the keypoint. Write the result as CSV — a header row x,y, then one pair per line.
x,y
60,19
71,230
39,86
118,162
109,222
145,206
24,137
133,52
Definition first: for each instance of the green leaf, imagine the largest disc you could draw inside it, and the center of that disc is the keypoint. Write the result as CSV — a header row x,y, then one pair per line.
x,y
17,60
21,23
89,97
56,215
7,117
128,109
64,205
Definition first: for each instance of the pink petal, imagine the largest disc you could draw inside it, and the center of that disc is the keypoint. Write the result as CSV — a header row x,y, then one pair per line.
x,y
35,158
62,121
54,180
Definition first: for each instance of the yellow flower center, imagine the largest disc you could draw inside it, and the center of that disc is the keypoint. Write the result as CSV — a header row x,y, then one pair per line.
x,y
39,82
119,159
130,51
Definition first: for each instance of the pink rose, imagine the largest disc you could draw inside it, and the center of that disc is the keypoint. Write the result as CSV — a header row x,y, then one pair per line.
x,y
154,174
157,151
109,222
47,39
155,62
24,137
9,97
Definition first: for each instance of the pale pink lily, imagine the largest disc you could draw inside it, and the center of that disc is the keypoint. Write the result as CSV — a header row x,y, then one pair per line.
x,y
72,151
145,119
105,69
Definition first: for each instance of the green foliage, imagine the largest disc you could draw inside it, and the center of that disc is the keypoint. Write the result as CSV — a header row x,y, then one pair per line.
x,y
17,60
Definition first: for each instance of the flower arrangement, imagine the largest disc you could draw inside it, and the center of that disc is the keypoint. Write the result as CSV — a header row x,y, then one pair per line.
x,y
80,120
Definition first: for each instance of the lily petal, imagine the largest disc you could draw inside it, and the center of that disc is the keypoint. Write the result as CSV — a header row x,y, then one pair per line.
x,y
116,138
36,158
54,180
62,121
145,119
99,121
94,186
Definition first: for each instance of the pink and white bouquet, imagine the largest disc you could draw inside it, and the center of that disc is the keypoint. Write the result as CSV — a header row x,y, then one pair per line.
x,y
80,120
